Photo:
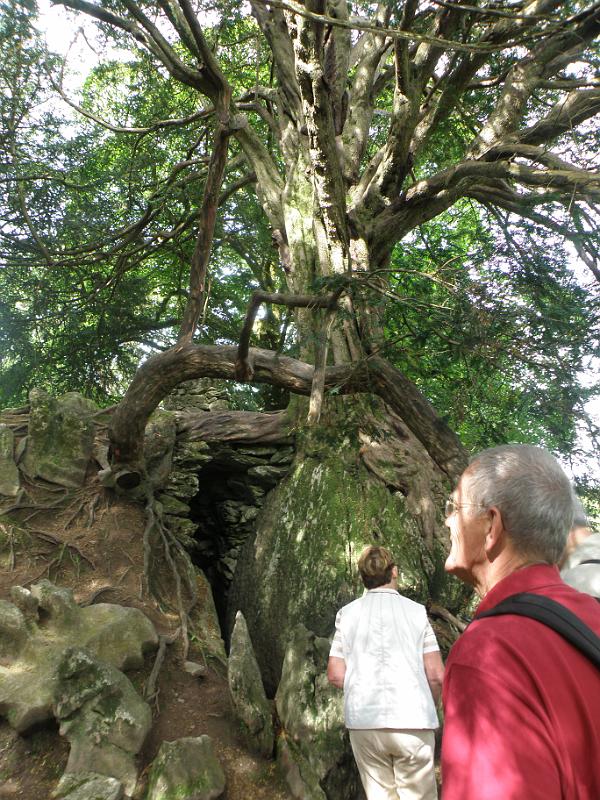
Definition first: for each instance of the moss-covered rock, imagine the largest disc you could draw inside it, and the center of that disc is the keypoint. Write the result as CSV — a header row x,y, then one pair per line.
x,y
186,769
56,603
171,505
159,441
300,566
247,692
29,672
102,716
61,438
313,749
88,786
117,634
204,625
13,631
9,474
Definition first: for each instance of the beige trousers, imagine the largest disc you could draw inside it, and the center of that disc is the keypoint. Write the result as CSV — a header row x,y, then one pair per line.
x,y
395,763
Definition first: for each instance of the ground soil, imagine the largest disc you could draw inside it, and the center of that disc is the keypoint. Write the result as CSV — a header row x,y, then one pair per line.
x,y
92,541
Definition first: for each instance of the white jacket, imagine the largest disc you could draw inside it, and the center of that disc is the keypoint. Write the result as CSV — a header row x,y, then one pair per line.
x,y
382,638
584,576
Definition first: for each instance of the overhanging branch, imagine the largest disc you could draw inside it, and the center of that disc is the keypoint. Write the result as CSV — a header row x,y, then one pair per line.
x,y
392,33
244,370
210,203
161,373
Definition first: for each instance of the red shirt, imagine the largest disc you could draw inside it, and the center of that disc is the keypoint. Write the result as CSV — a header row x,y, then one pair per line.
x,y
522,705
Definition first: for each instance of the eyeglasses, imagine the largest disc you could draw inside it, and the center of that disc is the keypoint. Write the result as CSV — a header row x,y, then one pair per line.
x,y
452,506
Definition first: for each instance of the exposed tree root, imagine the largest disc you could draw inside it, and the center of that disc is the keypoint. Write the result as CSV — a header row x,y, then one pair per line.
x,y
74,515
172,549
159,375
52,539
39,510
74,502
46,569
17,421
39,507
439,611
84,503
151,690
48,487
17,505
8,530
92,510
95,595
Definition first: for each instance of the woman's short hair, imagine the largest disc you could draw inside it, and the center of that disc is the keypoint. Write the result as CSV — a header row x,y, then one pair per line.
x,y
375,565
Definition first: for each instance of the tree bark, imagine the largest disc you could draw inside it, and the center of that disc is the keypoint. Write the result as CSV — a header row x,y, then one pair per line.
x,y
160,374
240,427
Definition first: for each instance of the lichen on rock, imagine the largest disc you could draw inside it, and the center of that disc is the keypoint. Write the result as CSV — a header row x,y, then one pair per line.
x,y
29,672
88,786
300,566
9,474
186,769
159,441
313,749
102,716
62,661
60,442
247,692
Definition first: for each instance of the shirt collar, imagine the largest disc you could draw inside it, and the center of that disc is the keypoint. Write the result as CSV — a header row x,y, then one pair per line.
x,y
526,579
382,590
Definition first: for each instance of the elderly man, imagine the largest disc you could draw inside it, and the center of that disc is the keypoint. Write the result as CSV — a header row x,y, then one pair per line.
x,y
385,656
522,704
580,565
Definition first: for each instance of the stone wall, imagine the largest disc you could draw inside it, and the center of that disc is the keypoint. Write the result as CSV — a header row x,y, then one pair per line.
x,y
215,490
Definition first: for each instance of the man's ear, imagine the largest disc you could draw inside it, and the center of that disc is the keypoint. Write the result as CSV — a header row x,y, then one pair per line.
x,y
495,536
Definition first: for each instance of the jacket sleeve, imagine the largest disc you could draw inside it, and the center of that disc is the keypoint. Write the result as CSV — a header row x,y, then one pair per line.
x,y
337,645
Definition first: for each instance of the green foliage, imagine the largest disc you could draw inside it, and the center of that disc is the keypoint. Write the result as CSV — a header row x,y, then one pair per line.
x,y
96,252
99,224
495,343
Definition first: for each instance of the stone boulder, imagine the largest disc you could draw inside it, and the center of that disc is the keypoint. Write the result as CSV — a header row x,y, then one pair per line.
x,y
36,630
102,716
88,786
186,769
159,442
13,632
313,750
200,394
247,692
300,563
60,442
9,474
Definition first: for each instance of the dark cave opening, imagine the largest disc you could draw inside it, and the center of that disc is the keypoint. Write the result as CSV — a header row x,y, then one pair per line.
x,y
233,486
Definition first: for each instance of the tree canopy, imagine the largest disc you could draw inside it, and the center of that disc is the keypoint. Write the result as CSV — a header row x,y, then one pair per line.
x,y
433,164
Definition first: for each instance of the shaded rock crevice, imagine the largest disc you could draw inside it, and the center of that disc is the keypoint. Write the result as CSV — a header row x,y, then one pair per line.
x,y
212,500
224,465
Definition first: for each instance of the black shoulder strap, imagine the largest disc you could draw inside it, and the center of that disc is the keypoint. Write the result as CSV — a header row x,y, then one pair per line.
x,y
555,616
589,561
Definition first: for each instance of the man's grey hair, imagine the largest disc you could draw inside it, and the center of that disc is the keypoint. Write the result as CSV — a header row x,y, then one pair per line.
x,y
580,519
533,494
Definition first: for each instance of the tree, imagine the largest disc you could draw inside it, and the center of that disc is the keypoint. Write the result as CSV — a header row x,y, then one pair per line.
x,y
358,125
352,110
